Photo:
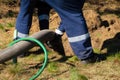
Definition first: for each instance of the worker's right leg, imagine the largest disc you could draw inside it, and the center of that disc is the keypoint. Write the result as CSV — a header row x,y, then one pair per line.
x,y
24,20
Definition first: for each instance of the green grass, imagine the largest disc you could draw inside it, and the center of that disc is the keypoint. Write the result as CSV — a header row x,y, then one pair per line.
x,y
1,26
73,59
117,55
9,25
75,75
35,57
114,56
15,69
55,70
96,50
53,67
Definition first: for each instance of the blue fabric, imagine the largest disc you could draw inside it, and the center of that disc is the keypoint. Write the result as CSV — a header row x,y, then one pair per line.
x,y
80,48
74,24
24,19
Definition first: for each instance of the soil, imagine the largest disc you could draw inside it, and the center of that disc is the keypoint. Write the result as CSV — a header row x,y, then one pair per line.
x,y
103,21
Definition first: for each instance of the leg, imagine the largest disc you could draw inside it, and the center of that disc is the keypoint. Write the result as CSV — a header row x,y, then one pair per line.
x,y
43,15
74,24
24,21
24,18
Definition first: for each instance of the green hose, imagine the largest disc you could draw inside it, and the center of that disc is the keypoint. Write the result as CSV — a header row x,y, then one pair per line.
x,y
45,52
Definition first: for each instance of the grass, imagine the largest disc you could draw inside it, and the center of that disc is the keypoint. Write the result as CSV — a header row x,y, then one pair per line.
x,y
114,56
15,69
35,57
73,59
75,75
71,69
9,25
1,26
6,26
53,67
96,50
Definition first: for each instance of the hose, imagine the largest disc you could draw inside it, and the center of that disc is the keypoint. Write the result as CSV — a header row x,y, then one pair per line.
x,y
45,53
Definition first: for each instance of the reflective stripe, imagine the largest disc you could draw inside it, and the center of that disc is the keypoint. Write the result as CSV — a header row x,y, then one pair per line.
x,y
59,32
88,48
44,17
85,51
79,38
21,35
15,34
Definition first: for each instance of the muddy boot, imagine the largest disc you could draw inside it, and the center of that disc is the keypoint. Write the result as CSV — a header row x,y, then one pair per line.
x,y
95,58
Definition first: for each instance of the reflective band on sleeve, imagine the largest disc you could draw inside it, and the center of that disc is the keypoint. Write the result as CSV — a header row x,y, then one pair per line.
x,y
59,32
79,38
44,17
21,35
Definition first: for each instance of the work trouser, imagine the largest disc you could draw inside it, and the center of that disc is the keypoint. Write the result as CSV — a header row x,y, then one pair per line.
x,y
73,23
24,19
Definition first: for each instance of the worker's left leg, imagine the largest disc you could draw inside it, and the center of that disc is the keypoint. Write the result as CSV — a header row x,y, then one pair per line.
x,y
73,23
43,14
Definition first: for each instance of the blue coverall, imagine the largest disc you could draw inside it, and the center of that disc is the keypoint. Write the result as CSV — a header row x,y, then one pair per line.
x,y
24,19
73,23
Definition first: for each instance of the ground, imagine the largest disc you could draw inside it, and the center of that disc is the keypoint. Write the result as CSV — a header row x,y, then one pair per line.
x,y
103,20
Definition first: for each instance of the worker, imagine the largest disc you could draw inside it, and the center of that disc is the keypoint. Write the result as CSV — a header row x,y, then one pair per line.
x,y
24,21
74,24
24,18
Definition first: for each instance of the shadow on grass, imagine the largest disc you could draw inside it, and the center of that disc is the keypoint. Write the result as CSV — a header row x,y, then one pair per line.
x,y
62,59
55,75
112,45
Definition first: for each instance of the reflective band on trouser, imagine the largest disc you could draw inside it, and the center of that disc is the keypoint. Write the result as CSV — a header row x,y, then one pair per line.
x,y
15,34
21,35
70,12
44,17
58,32
82,47
78,38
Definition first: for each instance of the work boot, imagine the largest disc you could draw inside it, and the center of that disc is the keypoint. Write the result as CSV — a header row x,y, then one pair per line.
x,y
56,44
94,58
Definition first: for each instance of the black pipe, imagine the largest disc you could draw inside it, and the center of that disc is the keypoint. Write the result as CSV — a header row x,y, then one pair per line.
x,y
23,46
